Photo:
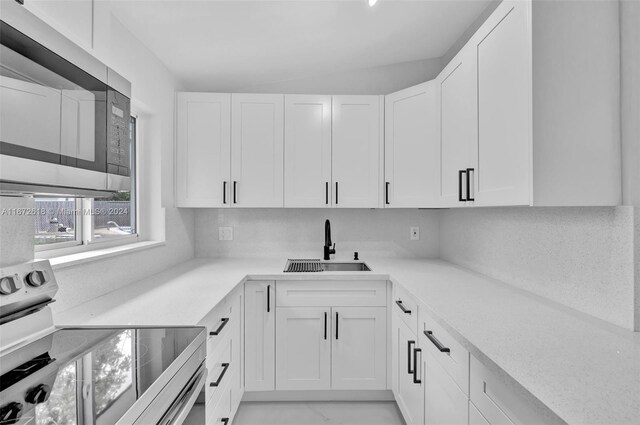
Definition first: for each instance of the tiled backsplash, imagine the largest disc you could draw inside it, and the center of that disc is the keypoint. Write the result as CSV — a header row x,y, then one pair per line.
x,y
16,230
287,233
580,257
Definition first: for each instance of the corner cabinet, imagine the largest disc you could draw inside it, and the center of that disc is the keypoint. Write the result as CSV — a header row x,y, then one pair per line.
x,y
356,151
203,149
257,150
412,147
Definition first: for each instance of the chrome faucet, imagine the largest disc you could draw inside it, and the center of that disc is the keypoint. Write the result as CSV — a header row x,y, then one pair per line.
x,y
327,241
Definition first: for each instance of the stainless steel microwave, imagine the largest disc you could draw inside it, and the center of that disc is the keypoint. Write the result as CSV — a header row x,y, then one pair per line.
x,y
64,116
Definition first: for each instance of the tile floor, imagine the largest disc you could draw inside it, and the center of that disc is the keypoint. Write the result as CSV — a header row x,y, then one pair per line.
x,y
316,413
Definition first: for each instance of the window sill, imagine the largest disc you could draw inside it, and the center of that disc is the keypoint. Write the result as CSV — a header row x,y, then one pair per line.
x,y
71,260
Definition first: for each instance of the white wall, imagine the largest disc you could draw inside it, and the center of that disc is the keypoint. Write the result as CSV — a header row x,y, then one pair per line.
x,y
378,80
581,257
299,233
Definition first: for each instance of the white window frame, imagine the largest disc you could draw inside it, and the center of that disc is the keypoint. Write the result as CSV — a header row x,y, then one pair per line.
x,y
84,223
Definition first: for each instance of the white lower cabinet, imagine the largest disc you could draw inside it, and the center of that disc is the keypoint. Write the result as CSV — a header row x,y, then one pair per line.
x,y
259,336
444,402
408,381
475,417
303,348
322,348
359,348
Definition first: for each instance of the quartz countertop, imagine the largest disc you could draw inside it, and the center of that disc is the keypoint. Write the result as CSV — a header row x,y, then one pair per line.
x,y
584,370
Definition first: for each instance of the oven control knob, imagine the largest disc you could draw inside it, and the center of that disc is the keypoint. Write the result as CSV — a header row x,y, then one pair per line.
x,y
9,285
39,394
11,413
36,278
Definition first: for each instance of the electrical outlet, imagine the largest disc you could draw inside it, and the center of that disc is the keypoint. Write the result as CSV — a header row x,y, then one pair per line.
x,y
414,234
225,233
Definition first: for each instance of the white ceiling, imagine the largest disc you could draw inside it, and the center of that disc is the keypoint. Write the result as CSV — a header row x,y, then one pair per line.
x,y
241,43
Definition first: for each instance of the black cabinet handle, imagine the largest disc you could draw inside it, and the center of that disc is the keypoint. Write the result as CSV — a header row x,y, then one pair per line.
x,y
325,325
225,421
235,190
336,193
438,344
336,325
225,367
416,380
386,193
326,193
224,192
468,172
460,197
268,298
402,307
224,321
409,344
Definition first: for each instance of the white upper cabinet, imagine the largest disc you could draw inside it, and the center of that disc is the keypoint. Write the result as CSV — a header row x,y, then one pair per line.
x,y
257,150
459,124
203,150
504,103
356,153
412,147
307,151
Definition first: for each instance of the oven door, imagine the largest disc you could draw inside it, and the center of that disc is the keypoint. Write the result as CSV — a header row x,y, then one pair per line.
x,y
53,117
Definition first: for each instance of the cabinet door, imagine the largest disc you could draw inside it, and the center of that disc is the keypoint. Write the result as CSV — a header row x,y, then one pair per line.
x,y
259,336
504,107
257,150
359,348
355,152
409,394
444,403
412,147
459,123
307,151
203,149
303,348
475,417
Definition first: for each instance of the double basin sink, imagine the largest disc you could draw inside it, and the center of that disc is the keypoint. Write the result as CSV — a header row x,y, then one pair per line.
x,y
307,266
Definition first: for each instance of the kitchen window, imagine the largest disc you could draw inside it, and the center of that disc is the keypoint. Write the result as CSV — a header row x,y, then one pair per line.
x,y
62,223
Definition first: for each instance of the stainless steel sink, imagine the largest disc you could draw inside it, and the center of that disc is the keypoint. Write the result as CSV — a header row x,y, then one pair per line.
x,y
345,267
314,265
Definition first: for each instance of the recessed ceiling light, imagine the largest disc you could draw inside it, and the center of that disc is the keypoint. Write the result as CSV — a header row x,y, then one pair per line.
x,y
372,2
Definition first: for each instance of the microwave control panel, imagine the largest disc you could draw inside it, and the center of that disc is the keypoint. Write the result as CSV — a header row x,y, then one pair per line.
x,y
119,143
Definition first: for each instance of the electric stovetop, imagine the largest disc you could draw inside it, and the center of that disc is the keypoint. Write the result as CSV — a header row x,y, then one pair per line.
x,y
86,376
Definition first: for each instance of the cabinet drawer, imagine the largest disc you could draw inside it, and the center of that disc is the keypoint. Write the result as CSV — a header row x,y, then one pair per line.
x,y
455,361
406,307
319,293
221,370
501,400
218,411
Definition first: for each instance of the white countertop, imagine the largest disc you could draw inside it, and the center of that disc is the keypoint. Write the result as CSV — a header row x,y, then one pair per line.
x,y
583,369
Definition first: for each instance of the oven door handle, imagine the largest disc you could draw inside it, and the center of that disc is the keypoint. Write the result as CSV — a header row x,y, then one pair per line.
x,y
181,407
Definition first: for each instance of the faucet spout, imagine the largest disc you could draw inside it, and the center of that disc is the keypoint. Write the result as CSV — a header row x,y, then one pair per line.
x,y
327,241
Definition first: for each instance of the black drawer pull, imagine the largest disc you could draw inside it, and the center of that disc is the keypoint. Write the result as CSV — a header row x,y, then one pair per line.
x,y
402,307
225,421
326,193
224,321
409,344
325,325
386,193
438,344
416,380
469,183
337,323
225,367
336,193
268,298
235,190
224,192
460,184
